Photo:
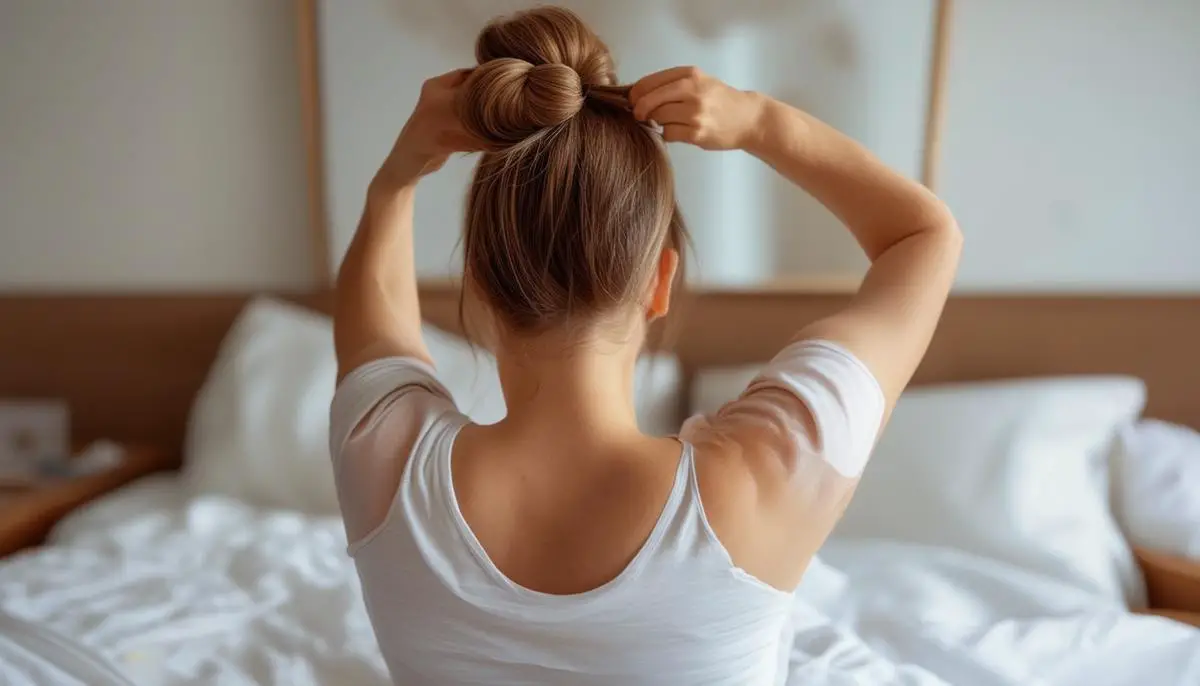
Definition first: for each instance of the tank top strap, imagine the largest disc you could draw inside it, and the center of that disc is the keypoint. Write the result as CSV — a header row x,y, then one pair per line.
x,y
683,533
675,510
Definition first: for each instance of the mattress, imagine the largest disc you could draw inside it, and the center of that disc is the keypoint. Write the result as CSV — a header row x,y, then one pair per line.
x,y
168,589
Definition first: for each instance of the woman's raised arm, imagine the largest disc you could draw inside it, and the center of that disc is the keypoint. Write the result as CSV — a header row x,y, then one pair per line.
x,y
909,235
376,311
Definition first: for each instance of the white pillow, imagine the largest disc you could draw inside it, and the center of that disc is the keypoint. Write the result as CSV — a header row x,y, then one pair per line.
x,y
259,427
712,388
469,373
1015,470
1157,487
657,394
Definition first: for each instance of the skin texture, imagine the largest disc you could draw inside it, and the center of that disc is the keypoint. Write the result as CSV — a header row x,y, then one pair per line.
x,y
567,475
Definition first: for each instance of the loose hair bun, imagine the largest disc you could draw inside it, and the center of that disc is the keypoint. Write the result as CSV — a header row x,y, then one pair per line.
x,y
507,100
535,71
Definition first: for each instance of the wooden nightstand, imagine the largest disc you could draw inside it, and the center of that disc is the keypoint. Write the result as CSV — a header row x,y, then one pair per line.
x,y
1172,585
26,517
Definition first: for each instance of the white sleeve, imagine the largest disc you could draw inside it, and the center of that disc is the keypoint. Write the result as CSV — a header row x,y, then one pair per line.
x,y
843,398
379,413
363,389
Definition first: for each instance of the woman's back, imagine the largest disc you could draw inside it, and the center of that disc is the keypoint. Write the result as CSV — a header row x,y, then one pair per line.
x,y
488,571
504,556
561,519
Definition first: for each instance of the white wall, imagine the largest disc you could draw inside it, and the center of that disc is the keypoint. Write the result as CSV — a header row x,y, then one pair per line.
x,y
151,144
859,63
1072,144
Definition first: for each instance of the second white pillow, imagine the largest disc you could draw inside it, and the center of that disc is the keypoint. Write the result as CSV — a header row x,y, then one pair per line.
x,y
1158,487
1015,470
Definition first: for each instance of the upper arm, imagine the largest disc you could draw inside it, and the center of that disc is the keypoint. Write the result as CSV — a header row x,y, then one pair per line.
x,y
358,345
789,454
370,324
890,321
377,313
379,413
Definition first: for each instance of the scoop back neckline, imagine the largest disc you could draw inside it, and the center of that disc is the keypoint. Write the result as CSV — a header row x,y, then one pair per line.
x,y
644,552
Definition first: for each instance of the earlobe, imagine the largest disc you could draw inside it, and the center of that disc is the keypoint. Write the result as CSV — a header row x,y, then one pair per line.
x,y
660,299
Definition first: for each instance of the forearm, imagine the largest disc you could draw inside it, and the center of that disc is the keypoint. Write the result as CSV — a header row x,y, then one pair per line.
x,y
909,235
878,205
376,304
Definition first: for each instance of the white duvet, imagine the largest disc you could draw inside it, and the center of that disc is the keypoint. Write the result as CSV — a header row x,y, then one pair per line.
x,y
213,591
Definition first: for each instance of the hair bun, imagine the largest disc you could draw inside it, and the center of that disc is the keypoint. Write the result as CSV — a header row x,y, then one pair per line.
x,y
506,100
548,35
534,68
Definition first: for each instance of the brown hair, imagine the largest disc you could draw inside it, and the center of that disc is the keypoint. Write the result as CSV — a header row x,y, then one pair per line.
x,y
573,199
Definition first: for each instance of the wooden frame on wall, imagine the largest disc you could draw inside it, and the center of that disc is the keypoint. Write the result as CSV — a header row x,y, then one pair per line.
x,y
309,59
308,56
939,58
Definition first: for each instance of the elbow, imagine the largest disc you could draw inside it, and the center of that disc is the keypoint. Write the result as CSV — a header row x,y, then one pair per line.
x,y
944,226
953,237
941,236
950,242
933,227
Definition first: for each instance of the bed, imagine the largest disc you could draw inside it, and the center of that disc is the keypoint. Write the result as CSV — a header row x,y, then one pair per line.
x,y
168,587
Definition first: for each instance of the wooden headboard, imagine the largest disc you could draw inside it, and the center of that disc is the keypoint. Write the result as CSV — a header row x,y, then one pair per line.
x,y
131,365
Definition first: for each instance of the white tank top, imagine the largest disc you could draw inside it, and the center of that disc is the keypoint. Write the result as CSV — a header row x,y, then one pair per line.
x,y
681,612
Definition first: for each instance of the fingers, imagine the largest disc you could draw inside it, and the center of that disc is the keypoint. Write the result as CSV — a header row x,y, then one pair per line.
x,y
675,91
678,133
660,78
674,113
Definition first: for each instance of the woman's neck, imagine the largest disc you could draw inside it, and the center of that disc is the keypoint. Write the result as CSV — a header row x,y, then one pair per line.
x,y
585,394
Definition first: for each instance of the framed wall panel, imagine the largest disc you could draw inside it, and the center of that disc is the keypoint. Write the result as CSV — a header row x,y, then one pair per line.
x,y
874,70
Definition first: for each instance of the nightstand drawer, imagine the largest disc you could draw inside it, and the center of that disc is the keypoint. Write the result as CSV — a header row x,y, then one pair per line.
x,y
26,517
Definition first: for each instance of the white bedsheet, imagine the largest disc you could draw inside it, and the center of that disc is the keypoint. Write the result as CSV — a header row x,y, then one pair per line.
x,y
213,591
910,602
210,591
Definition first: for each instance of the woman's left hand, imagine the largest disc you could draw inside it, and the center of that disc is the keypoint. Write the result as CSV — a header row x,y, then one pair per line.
x,y
693,107
433,132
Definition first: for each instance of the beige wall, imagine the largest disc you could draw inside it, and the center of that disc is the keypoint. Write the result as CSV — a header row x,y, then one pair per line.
x,y
1071,153
150,144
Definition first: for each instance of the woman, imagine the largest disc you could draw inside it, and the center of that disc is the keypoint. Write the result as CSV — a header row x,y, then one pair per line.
x,y
561,545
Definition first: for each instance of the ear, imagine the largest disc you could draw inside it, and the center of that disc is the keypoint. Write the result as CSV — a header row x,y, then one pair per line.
x,y
664,277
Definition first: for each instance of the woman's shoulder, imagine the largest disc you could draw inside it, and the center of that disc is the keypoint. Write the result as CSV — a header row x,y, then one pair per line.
x,y
769,491
379,414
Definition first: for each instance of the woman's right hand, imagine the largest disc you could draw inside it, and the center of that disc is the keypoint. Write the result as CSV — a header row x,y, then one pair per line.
x,y
693,107
432,133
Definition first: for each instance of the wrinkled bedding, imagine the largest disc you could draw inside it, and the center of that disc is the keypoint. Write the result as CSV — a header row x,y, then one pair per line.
x,y
934,606
209,590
